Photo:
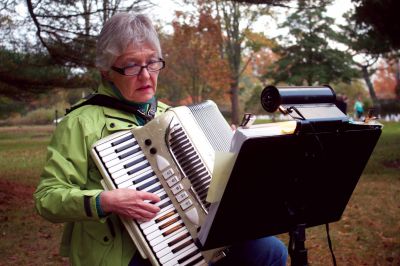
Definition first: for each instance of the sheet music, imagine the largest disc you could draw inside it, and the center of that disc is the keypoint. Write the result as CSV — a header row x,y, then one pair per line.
x,y
261,130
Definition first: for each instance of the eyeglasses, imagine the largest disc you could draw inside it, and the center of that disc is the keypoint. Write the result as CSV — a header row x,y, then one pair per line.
x,y
136,69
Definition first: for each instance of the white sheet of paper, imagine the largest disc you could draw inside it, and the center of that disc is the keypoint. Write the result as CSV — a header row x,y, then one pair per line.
x,y
223,165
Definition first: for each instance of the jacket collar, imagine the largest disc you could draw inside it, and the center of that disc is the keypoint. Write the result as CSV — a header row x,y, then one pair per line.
x,y
105,89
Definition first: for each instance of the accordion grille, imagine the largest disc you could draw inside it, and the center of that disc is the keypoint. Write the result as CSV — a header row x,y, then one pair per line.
x,y
213,125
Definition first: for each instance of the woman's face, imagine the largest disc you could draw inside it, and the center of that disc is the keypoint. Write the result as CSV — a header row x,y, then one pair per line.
x,y
139,88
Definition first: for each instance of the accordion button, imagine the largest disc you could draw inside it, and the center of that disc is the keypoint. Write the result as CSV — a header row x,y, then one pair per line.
x,y
162,163
193,216
186,204
153,150
147,142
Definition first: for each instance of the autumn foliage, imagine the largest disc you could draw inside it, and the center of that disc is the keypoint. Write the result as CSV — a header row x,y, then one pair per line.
x,y
385,81
198,71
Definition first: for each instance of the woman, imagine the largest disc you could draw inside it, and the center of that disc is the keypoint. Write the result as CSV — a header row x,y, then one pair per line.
x,y
129,59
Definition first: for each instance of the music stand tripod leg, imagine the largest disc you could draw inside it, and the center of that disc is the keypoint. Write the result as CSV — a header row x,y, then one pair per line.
x,y
297,250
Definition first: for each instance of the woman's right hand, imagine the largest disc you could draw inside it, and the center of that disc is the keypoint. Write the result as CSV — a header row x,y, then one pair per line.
x,y
130,203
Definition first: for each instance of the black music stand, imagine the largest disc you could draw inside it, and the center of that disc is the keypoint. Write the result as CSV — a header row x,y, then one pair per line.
x,y
287,183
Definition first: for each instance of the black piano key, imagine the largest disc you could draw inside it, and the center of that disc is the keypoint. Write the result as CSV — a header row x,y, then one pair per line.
x,y
132,152
155,180
196,164
177,133
115,143
181,149
165,216
177,137
195,172
195,261
125,147
140,179
177,240
188,256
181,246
154,189
182,156
134,162
138,168
189,159
198,181
202,186
170,222
165,204
198,175
164,196
173,229
179,143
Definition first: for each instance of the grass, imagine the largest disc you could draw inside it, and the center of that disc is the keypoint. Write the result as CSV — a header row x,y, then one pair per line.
x,y
367,234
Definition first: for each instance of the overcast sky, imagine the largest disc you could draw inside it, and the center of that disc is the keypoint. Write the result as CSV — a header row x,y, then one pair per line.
x,y
166,9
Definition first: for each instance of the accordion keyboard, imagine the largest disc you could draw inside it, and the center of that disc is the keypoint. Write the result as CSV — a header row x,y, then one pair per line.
x,y
161,158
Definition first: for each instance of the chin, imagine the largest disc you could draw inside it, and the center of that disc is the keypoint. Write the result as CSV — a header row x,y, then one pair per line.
x,y
141,98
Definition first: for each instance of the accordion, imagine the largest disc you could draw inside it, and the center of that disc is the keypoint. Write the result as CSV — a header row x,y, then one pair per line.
x,y
171,156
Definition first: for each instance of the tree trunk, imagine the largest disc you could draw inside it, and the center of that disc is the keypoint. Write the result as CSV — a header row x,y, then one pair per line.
x,y
397,88
235,103
370,88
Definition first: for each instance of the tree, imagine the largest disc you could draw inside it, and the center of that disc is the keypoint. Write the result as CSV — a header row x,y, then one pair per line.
x,y
22,75
385,80
379,20
231,16
306,56
197,69
68,29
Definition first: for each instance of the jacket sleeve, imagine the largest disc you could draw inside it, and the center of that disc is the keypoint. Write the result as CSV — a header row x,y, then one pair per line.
x,y
62,194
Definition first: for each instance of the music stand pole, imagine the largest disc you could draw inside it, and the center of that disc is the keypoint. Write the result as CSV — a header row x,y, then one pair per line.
x,y
297,250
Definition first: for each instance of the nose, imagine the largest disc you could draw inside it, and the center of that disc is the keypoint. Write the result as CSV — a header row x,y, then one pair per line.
x,y
144,73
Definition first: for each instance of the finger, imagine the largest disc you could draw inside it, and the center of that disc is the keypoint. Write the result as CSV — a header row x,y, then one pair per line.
x,y
144,215
150,207
149,196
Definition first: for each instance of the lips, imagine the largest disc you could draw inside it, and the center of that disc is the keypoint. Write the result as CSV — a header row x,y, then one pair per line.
x,y
145,87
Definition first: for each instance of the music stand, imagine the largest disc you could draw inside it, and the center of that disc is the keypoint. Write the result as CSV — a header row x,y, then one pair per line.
x,y
287,183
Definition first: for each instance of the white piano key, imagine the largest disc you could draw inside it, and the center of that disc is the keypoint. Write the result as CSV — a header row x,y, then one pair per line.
x,y
162,238
162,201
169,239
144,182
112,149
115,155
197,256
149,188
108,143
169,249
123,171
125,161
117,160
129,178
156,226
164,211
159,233
172,259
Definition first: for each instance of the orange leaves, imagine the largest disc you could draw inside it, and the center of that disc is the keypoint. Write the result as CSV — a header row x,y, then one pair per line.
x,y
194,50
385,80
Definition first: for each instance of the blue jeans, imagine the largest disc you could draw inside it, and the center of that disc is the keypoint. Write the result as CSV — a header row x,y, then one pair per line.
x,y
267,251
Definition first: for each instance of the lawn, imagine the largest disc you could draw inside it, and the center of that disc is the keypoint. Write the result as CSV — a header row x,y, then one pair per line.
x,y
367,234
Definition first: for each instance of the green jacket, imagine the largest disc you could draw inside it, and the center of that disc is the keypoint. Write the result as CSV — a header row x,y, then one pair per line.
x,y
70,178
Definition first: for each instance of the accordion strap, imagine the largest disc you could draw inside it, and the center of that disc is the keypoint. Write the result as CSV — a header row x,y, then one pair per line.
x,y
110,102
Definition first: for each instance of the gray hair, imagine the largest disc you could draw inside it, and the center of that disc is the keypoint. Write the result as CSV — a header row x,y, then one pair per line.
x,y
119,32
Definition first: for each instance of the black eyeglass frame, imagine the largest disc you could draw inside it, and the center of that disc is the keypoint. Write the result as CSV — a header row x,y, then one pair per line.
x,y
122,70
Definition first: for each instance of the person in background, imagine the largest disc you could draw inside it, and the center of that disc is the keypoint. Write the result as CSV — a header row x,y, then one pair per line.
x,y
358,108
129,59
